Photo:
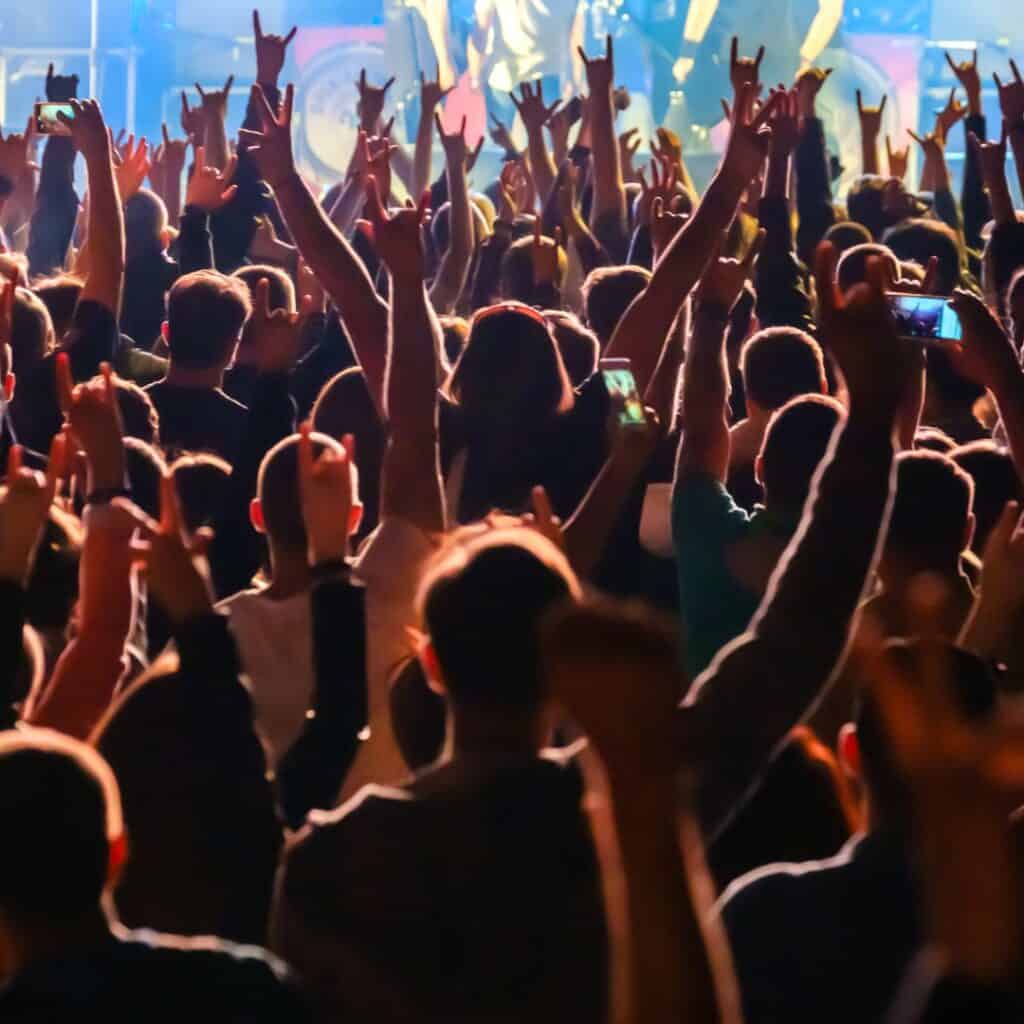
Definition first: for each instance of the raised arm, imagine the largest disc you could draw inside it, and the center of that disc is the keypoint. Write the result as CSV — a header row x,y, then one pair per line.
x,y
870,130
609,192
704,418
166,173
762,684
431,95
813,180
105,279
640,335
451,275
215,114
535,114
973,199
332,259
1011,102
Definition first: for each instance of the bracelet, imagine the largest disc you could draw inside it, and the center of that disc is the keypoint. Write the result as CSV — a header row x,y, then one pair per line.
x,y
328,569
105,495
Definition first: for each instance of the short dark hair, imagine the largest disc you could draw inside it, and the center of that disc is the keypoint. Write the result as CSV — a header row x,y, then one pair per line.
x,y
517,270
61,810
853,265
847,234
278,490
202,481
917,240
865,203
205,315
995,483
281,293
795,443
482,603
145,221
930,512
579,347
138,413
146,467
780,363
60,296
607,293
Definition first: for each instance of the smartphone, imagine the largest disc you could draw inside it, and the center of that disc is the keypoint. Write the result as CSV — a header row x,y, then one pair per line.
x,y
621,386
47,122
927,318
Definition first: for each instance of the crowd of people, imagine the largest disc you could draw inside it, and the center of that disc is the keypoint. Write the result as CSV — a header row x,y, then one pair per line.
x,y
365,660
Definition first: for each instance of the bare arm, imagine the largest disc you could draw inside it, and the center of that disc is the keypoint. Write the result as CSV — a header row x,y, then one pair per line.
x,y
609,191
535,114
870,129
431,95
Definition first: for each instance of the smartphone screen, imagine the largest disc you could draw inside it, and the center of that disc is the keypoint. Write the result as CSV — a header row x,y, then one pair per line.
x,y
47,122
621,386
925,317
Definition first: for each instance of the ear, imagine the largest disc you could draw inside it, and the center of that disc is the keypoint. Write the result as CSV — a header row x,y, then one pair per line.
x,y
355,519
165,333
256,516
759,471
849,750
117,857
431,667
165,238
9,381
969,528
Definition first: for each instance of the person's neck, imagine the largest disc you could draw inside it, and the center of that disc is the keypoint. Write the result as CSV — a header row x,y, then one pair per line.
x,y
289,574
26,945
472,733
187,377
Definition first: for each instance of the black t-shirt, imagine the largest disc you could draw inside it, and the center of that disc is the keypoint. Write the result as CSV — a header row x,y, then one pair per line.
x,y
142,976
198,419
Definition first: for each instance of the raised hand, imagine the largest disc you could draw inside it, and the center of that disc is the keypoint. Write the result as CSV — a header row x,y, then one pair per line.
x,y
899,159
25,503
215,102
724,280
531,106
1011,96
951,115
271,51
986,355
665,225
431,92
750,137
132,165
456,152
173,153
271,149
397,236
629,143
785,124
373,156
932,145
511,192
309,286
325,491
632,446
276,334
809,83
60,88
193,119
858,329
600,70
667,148
93,416
174,562
500,135
662,186
744,71
88,130
967,75
371,102
208,188
870,117
545,255
992,158
14,155
559,125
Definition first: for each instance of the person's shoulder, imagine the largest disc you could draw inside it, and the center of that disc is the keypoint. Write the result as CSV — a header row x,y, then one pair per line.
x,y
703,507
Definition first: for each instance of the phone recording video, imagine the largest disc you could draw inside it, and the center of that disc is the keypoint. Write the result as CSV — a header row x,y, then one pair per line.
x,y
928,318
48,123
621,386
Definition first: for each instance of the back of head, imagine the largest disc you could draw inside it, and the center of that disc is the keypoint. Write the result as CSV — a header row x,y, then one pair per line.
x,y
61,811
853,266
607,293
145,468
281,294
931,512
60,296
145,225
865,204
482,602
995,483
277,488
138,414
846,235
780,363
517,270
579,347
205,315
32,336
918,240
510,370
202,482
795,443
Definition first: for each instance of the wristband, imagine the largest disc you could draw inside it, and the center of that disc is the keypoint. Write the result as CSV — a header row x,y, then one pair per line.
x,y
328,568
